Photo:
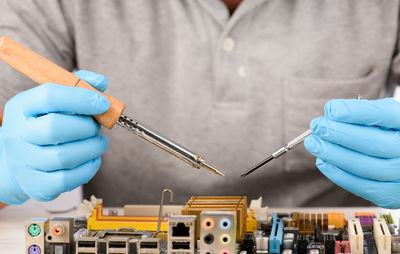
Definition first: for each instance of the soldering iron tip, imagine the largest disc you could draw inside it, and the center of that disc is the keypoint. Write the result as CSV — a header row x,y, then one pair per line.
x,y
212,169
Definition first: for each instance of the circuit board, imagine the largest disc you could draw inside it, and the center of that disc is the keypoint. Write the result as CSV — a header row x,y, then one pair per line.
x,y
211,225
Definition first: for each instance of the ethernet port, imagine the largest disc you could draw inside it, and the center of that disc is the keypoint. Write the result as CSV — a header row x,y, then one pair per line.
x,y
180,230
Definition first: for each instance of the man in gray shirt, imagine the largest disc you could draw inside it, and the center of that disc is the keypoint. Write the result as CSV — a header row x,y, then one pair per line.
x,y
233,82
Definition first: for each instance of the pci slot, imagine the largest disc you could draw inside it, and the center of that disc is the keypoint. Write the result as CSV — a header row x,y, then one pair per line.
x,y
275,239
382,236
356,236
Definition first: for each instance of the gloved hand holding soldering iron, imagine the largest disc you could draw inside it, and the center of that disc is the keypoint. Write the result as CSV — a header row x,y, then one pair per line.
x,y
49,143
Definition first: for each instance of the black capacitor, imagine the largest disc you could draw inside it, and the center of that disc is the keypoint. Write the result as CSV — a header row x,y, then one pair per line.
x,y
329,242
302,243
318,236
249,243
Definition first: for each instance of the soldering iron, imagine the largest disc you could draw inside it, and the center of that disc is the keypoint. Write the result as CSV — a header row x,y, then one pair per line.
x,y
41,70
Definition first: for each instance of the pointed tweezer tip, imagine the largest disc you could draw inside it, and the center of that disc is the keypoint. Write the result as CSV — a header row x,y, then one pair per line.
x,y
247,172
257,166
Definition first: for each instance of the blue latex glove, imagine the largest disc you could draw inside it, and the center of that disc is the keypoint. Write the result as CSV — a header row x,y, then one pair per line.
x,y
357,145
49,143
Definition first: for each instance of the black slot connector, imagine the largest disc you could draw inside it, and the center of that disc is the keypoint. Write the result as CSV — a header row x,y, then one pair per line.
x,y
114,244
180,245
148,245
86,244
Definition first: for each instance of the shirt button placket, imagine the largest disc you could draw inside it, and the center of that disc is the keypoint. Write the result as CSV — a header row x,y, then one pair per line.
x,y
228,44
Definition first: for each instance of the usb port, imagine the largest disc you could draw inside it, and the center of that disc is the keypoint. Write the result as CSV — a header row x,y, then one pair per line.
x,y
181,245
149,245
86,244
114,244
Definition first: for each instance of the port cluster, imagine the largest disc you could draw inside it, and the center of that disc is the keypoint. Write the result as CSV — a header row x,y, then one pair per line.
x,y
217,234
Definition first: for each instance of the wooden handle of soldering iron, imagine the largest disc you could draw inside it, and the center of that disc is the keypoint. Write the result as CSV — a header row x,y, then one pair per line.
x,y
41,70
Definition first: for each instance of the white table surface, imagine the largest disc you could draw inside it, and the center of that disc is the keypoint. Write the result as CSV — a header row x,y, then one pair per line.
x,y
12,221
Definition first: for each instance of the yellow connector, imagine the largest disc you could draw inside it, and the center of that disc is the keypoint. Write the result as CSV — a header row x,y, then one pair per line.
x,y
98,221
251,222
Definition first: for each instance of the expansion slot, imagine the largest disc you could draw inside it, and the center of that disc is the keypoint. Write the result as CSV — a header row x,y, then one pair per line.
x,y
356,236
275,239
383,239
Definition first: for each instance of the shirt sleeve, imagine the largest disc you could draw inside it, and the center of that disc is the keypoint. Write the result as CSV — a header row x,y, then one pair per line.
x,y
394,78
41,25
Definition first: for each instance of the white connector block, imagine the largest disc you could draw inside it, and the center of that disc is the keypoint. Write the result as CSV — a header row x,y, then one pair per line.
x,y
382,236
356,236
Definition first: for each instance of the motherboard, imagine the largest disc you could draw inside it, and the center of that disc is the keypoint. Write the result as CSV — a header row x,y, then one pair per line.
x,y
210,225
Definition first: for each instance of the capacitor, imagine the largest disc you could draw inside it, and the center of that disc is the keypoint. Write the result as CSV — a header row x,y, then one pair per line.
x,y
262,243
288,241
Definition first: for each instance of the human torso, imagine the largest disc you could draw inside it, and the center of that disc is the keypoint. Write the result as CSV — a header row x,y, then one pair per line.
x,y
232,89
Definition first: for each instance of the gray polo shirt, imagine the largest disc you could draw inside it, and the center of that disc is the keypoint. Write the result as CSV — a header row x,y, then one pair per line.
x,y
231,88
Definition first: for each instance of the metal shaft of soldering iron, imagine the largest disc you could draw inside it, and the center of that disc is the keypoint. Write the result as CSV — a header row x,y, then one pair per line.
x,y
42,70
294,142
164,143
